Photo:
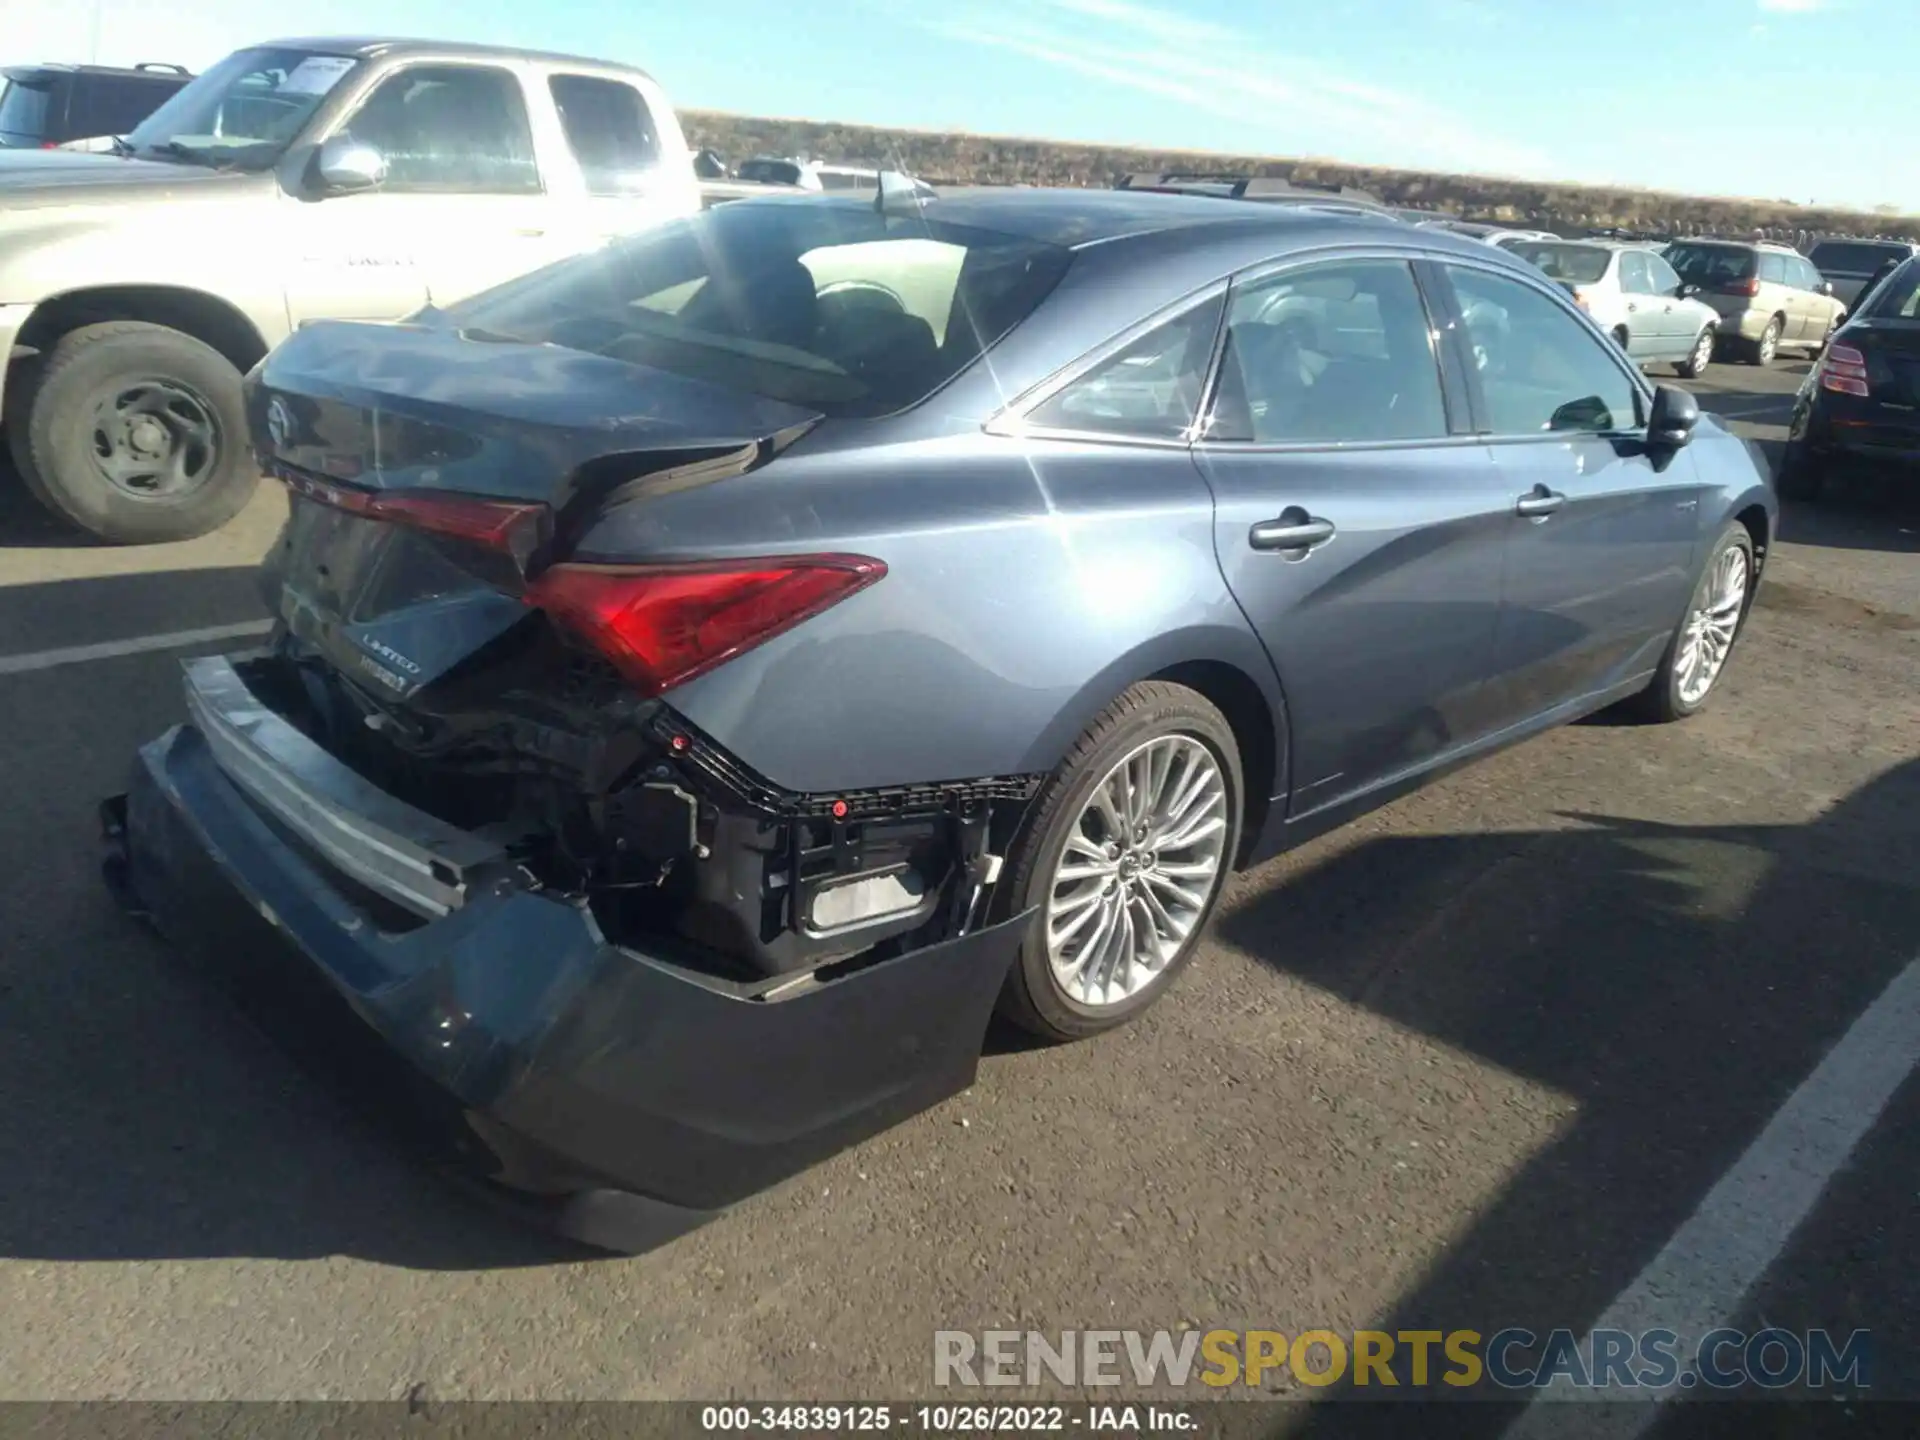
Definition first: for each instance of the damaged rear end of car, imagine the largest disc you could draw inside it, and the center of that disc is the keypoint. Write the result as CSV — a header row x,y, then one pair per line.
x,y
640,978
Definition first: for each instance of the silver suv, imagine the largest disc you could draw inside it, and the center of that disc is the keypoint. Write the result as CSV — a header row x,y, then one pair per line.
x,y
1767,296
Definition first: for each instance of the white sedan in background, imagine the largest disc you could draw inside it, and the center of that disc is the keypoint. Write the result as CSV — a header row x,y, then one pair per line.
x,y
1635,296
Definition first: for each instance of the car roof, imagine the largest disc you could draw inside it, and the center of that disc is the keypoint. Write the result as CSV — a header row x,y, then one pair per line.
x,y
369,47
150,71
1080,218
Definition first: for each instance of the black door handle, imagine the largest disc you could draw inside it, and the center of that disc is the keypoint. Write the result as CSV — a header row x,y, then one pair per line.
x,y
1292,529
1539,503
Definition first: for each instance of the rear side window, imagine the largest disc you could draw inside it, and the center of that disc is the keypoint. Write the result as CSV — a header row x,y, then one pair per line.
x,y
1773,269
610,131
113,104
455,129
1340,352
1897,297
819,302
1149,390
1540,369
770,172
1855,257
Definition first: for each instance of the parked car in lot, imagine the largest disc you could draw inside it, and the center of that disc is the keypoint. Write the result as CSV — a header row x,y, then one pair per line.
x,y
1767,296
1862,401
1849,264
712,673
294,181
1633,295
43,106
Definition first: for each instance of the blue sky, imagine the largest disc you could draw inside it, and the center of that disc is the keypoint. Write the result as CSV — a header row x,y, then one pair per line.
x,y
1775,99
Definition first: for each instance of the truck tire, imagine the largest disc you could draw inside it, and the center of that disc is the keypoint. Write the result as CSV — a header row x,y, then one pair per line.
x,y
134,432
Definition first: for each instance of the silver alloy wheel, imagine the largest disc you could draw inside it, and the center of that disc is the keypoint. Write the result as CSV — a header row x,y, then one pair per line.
x,y
1133,879
1707,638
1769,342
1703,351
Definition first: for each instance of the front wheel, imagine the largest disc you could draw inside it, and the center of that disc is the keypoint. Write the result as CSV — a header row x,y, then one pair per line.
x,y
1697,655
1123,859
1701,356
136,433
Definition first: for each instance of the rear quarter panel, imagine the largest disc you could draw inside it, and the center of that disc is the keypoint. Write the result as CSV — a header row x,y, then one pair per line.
x,y
1029,582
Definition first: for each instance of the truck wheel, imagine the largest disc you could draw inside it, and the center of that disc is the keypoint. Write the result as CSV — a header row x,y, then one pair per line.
x,y
136,433
1124,857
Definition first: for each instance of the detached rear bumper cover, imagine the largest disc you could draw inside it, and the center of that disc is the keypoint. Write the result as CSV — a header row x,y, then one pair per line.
x,y
641,1096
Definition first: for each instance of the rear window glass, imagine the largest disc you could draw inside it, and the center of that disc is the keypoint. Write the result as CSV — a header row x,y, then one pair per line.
x,y
1895,297
770,172
23,106
821,303
1711,264
1859,257
1571,264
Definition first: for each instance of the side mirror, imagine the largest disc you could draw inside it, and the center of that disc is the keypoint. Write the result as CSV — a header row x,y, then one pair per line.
x,y
1675,413
1687,290
346,165
1826,287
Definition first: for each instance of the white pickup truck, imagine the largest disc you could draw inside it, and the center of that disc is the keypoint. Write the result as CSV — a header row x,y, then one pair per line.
x,y
293,181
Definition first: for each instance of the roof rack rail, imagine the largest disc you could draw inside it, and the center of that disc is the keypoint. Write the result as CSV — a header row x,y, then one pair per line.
x,y
1238,185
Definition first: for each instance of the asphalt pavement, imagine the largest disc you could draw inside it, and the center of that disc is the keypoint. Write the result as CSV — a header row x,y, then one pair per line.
x,y
1471,1062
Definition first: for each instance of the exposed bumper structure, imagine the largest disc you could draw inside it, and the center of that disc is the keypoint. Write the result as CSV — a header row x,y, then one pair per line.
x,y
622,1097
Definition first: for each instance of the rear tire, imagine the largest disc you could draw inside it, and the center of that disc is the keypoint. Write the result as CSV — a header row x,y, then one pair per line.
x,y
1713,610
1126,891
1767,346
150,405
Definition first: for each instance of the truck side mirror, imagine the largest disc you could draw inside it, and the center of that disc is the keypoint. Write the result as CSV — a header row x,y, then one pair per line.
x,y
347,165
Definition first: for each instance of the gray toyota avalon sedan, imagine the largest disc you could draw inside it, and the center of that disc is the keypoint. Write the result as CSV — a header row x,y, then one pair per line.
x,y
713,674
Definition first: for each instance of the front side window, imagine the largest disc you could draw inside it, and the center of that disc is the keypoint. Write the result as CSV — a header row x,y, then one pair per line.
x,y
1803,274
1339,352
1635,277
610,131
454,129
822,303
1665,280
244,112
1540,369
1773,270
1151,389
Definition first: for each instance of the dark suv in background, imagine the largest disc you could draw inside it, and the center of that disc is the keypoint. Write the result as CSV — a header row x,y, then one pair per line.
x,y
1850,264
46,105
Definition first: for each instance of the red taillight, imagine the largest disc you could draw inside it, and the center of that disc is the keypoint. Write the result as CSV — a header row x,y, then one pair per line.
x,y
1749,287
1843,370
512,527
661,625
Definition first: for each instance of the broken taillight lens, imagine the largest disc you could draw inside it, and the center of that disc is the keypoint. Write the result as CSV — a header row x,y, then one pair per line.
x,y
661,625
511,527
1843,370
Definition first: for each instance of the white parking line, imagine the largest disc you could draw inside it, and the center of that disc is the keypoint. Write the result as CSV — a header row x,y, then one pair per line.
x,y
1697,1282
109,649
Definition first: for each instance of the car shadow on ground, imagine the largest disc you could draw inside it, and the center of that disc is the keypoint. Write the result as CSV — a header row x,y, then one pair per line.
x,y
1673,983
25,524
